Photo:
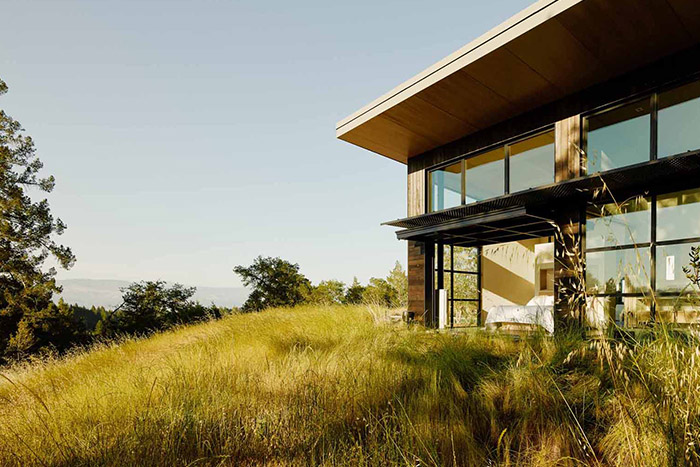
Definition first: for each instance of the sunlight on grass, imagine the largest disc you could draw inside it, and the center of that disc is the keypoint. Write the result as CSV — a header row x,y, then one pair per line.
x,y
331,385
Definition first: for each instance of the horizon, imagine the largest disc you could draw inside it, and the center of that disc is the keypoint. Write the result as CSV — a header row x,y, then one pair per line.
x,y
190,139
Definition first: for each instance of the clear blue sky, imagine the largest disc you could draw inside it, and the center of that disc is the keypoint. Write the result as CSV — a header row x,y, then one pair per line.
x,y
191,136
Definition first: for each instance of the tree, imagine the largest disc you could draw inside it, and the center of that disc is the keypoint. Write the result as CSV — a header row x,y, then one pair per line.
x,y
56,327
27,232
275,283
380,292
353,294
152,306
330,292
398,280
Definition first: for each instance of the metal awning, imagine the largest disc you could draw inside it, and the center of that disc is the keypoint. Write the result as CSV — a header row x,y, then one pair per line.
x,y
506,225
529,213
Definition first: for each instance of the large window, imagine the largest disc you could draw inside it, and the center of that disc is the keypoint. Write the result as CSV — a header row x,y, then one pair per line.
x,y
635,254
485,176
679,114
677,230
659,125
523,164
457,271
618,261
532,162
446,187
618,137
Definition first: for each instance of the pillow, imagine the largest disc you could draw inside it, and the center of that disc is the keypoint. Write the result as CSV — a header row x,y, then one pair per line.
x,y
541,301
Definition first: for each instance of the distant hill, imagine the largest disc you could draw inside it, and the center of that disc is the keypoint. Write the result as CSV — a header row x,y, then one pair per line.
x,y
88,292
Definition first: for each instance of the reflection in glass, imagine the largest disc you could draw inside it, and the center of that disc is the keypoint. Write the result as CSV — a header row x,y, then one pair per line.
x,y
678,309
466,286
613,225
679,114
532,162
670,260
447,257
466,259
485,175
678,215
447,282
619,137
465,313
446,187
620,311
618,271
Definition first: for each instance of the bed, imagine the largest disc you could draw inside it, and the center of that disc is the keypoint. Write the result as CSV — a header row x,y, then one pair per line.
x,y
538,312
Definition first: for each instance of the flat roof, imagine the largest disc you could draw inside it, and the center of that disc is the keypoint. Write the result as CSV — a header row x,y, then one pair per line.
x,y
549,50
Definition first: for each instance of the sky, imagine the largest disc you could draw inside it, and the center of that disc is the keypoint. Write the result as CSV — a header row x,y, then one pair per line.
x,y
188,137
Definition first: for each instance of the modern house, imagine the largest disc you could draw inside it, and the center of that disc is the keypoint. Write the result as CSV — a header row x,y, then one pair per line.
x,y
553,167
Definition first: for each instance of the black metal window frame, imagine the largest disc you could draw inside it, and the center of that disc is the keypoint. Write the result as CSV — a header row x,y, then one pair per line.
x,y
653,95
440,270
652,246
505,144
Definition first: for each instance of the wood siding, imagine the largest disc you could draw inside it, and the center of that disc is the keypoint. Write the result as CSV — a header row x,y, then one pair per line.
x,y
567,160
416,281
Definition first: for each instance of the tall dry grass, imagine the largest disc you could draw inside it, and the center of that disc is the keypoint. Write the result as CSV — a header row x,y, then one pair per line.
x,y
334,386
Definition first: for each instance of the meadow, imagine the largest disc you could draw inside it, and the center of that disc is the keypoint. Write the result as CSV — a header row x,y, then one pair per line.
x,y
340,386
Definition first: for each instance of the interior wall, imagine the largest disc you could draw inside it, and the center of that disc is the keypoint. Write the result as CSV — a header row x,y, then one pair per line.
x,y
509,272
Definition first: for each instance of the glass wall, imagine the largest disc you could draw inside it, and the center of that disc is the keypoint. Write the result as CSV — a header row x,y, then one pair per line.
x,y
483,176
618,137
659,125
679,114
618,262
459,273
446,187
635,255
532,162
677,230
611,225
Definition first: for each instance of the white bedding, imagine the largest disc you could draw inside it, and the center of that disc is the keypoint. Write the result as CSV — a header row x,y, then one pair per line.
x,y
538,311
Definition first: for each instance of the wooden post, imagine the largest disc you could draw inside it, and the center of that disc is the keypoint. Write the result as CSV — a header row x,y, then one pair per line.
x,y
420,256
568,251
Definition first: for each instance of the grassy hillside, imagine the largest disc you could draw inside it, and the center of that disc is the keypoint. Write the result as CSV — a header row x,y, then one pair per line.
x,y
329,386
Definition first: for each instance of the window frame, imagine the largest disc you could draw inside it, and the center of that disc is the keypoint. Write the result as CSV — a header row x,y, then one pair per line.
x,y
652,93
505,144
451,271
652,245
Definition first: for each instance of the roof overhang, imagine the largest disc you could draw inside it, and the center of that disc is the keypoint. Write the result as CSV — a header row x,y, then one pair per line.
x,y
551,49
529,213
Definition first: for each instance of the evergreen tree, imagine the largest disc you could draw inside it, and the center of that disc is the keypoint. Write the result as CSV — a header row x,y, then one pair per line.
x,y
353,295
398,280
27,235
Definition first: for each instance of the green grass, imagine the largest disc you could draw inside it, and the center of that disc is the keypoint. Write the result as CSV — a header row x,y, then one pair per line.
x,y
331,386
